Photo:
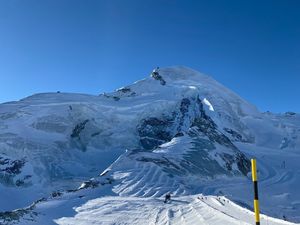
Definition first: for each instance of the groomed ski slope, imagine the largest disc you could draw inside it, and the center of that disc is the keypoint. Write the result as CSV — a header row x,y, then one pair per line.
x,y
188,210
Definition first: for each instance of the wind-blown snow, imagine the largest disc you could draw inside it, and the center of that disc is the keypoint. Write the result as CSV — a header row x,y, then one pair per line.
x,y
206,102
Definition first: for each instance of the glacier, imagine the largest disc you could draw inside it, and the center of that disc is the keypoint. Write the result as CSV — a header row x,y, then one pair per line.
x,y
64,156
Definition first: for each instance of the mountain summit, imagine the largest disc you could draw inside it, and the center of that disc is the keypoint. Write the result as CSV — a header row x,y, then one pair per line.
x,y
176,131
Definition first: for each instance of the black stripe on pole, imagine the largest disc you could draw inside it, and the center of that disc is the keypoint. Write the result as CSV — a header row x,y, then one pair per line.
x,y
255,190
256,202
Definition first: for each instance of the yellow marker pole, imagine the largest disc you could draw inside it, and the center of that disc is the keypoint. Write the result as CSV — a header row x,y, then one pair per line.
x,y
256,202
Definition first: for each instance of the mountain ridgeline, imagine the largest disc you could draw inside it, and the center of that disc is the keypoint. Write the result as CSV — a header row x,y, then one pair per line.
x,y
165,133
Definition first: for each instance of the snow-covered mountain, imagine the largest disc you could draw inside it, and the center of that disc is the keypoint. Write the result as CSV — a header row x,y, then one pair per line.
x,y
176,131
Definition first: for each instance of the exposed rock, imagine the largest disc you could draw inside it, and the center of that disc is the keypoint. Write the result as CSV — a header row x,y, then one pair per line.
x,y
243,163
89,184
157,76
209,128
290,113
56,194
78,129
179,134
120,93
24,182
14,217
124,90
154,132
235,135
95,134
184,109
94,183
12,167
116,98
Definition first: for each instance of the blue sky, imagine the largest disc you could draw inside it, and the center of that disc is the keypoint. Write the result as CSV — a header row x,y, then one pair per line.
x,y
92,46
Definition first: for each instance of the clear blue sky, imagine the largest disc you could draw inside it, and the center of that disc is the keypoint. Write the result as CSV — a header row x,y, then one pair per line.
x,y
92,46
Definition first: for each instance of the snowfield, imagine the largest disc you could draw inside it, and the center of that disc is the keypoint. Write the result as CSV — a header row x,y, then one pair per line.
x,y
110,159
189,210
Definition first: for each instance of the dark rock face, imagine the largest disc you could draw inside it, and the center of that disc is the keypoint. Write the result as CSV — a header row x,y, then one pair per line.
x,y
10,171
235,135
94,183
240,159
7,218
229,160
154,132
243,163
78,129
56,194
184,109
124,90
115,98
23,182
77,138
13,167
27,214
89,184
95,134
209,128
290,113
184,106
158,77
179,134
197,159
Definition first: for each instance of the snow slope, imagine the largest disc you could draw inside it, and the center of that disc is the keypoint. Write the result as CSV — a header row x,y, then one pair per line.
x,y
177,131
182,211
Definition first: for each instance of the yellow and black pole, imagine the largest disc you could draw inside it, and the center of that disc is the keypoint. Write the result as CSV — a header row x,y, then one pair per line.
x,y
256,203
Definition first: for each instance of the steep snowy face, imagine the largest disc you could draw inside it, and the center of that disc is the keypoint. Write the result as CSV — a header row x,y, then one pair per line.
x,y
226,108
237,118
178,122
55,140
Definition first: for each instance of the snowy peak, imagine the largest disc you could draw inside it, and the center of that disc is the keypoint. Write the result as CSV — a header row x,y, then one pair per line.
x,y
171,131
177,82
176,73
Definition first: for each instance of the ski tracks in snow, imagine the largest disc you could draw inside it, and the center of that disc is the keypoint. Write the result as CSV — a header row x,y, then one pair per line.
x,y
188,210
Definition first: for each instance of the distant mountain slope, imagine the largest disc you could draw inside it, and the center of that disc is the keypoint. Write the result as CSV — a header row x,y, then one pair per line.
x,y
177,131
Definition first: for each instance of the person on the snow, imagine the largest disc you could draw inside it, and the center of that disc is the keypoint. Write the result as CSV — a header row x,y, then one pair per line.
x,y
167,198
